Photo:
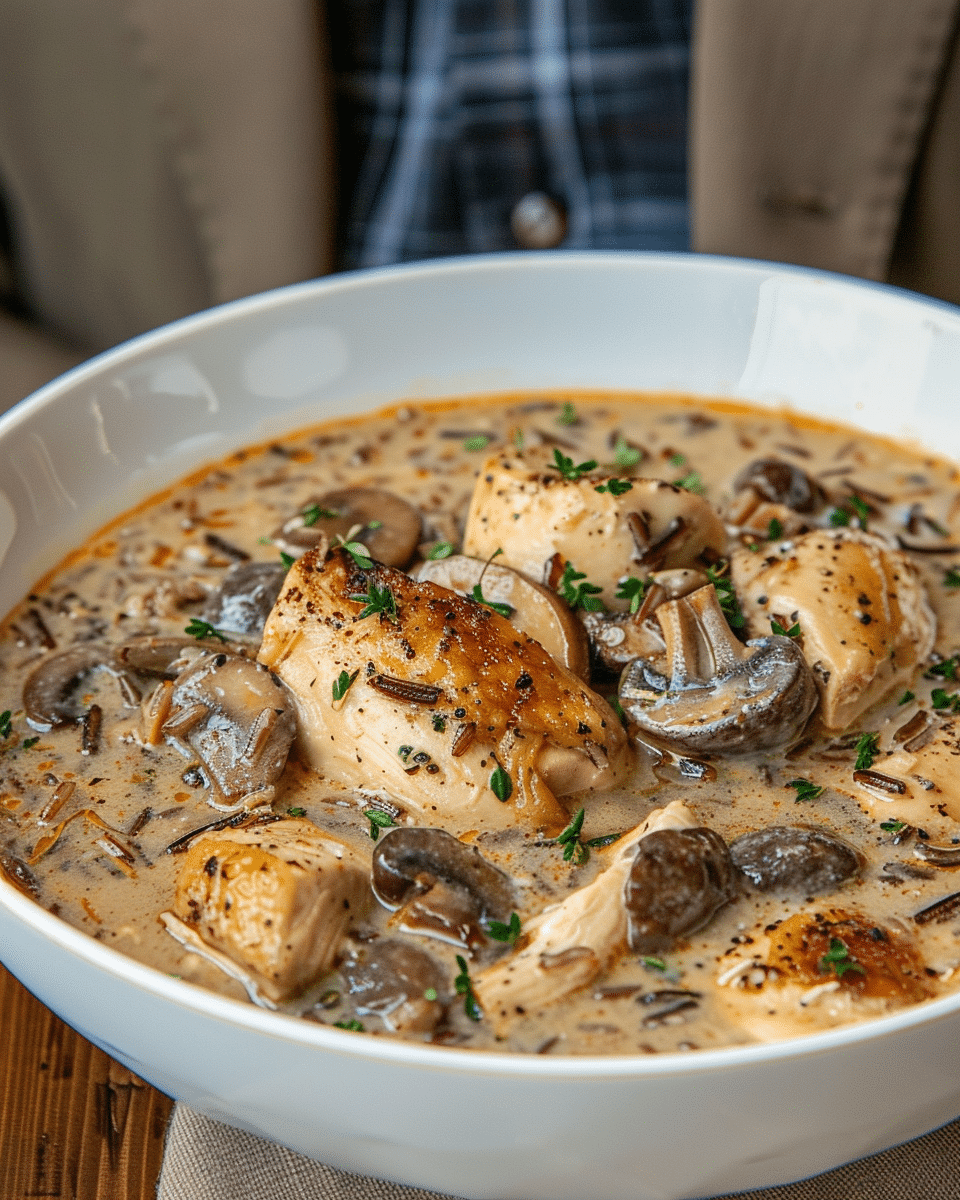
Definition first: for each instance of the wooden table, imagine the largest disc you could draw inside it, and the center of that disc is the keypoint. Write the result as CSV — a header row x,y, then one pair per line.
x,y
74,1124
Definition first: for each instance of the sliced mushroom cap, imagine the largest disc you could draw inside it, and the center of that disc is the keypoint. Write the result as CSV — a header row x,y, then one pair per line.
x,y
49,699
784,858
721,697
239,719
781,482
391,979
15,871
537,610
382,521
446,889
166,656
247,593
679,879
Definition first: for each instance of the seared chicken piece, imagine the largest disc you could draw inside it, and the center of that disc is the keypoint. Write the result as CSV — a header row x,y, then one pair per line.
x,y
452,711
818,970
865,622
569,944
275,898
523,506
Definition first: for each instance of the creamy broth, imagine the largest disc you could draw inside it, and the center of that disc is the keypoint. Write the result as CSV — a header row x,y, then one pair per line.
x,y
93,797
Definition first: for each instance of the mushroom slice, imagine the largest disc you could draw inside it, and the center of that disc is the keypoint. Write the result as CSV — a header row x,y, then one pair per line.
x,y
427,665
863,613
781,482
721,697
522,505
237,716
245,596
795,858
442,888
817,970
393,980
49,699
537,610
567,945
277,899
387,525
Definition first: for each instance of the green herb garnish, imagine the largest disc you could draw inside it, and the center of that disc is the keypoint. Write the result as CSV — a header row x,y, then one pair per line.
x,y
838,957
358,552
505,610
942,699
677,460
439,722
866,751
6,723
464,988
605,839
29,743
567,415
378,600
653,964
905,699
774,530
518,438
287,559
853,506
203,629
313,514
614,702
501,932
440,550
805,789
353,1026
579,595
343,683
778,629
378,820
838,517
727,597
501,784
691,482
430,994
616,487
480,442
952,578
573,849
567,468
625,456
632,589
943,670
296,812
892,826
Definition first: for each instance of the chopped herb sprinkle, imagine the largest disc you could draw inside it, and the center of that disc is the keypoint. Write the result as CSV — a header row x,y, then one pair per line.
x,y
568,469
838,958
632,589
343,683
378,820
573,849
203,629
778,629
892,826
377,600
568,415
6,724
505,610
579,595
805,789
440,550
616,487
625,456
505,932
501,784
774,530
296,812
480,442
952,578
358,552
866,751
464,988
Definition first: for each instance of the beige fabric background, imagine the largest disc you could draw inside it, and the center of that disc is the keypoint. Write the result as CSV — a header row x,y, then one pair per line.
x,y
209,1161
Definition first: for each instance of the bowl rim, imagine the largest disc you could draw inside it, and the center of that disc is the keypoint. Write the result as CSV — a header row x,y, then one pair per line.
x,y
445,1059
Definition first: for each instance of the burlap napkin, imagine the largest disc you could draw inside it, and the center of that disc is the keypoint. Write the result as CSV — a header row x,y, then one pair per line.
x,y
205,1160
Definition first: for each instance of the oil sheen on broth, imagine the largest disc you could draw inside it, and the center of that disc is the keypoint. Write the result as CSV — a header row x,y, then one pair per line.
x,y
581,724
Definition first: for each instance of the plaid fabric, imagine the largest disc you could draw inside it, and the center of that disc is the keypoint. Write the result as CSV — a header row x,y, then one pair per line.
x,y
451,110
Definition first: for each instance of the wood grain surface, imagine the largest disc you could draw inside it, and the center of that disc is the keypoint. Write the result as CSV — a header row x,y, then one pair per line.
x,y
74,1124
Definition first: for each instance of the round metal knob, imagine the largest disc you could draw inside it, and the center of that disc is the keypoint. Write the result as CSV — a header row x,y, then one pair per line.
x,y
538,221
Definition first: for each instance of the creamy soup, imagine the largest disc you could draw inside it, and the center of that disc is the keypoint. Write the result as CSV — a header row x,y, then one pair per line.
x,y
580,724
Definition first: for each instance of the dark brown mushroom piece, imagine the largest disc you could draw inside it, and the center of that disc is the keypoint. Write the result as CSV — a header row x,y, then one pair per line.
x,y
394,980
387,525
679,879
446,889
721,697
781,482
244,598
165,656
15,871
50,691
795,858
239,719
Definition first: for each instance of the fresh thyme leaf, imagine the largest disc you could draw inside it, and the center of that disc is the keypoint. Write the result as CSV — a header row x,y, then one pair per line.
x,y
952,578
568,415
6,724
203,629
774,530
518,438
573,849
632,589
29,743
616,487
940,698
838,517
905,699
605,839
296,812
677,460
358,552
778,629
505,610
501,784
853,506
947,669
805,789
378,600
625,455
727,597
567,468
430,994
861,508
314,512
440,550
464,988
353,1026
378,820
838,957
508,932
614,702
654,964
579,595
439,722
866,751
892,826
691,482
287,559
480,442
342,684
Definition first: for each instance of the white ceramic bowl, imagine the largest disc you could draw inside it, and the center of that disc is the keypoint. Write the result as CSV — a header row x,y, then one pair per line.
x,y
481,1125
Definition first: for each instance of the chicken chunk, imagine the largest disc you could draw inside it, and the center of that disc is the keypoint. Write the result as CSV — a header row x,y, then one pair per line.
x,y
865,622
569,944
275,898
523,506
451,710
